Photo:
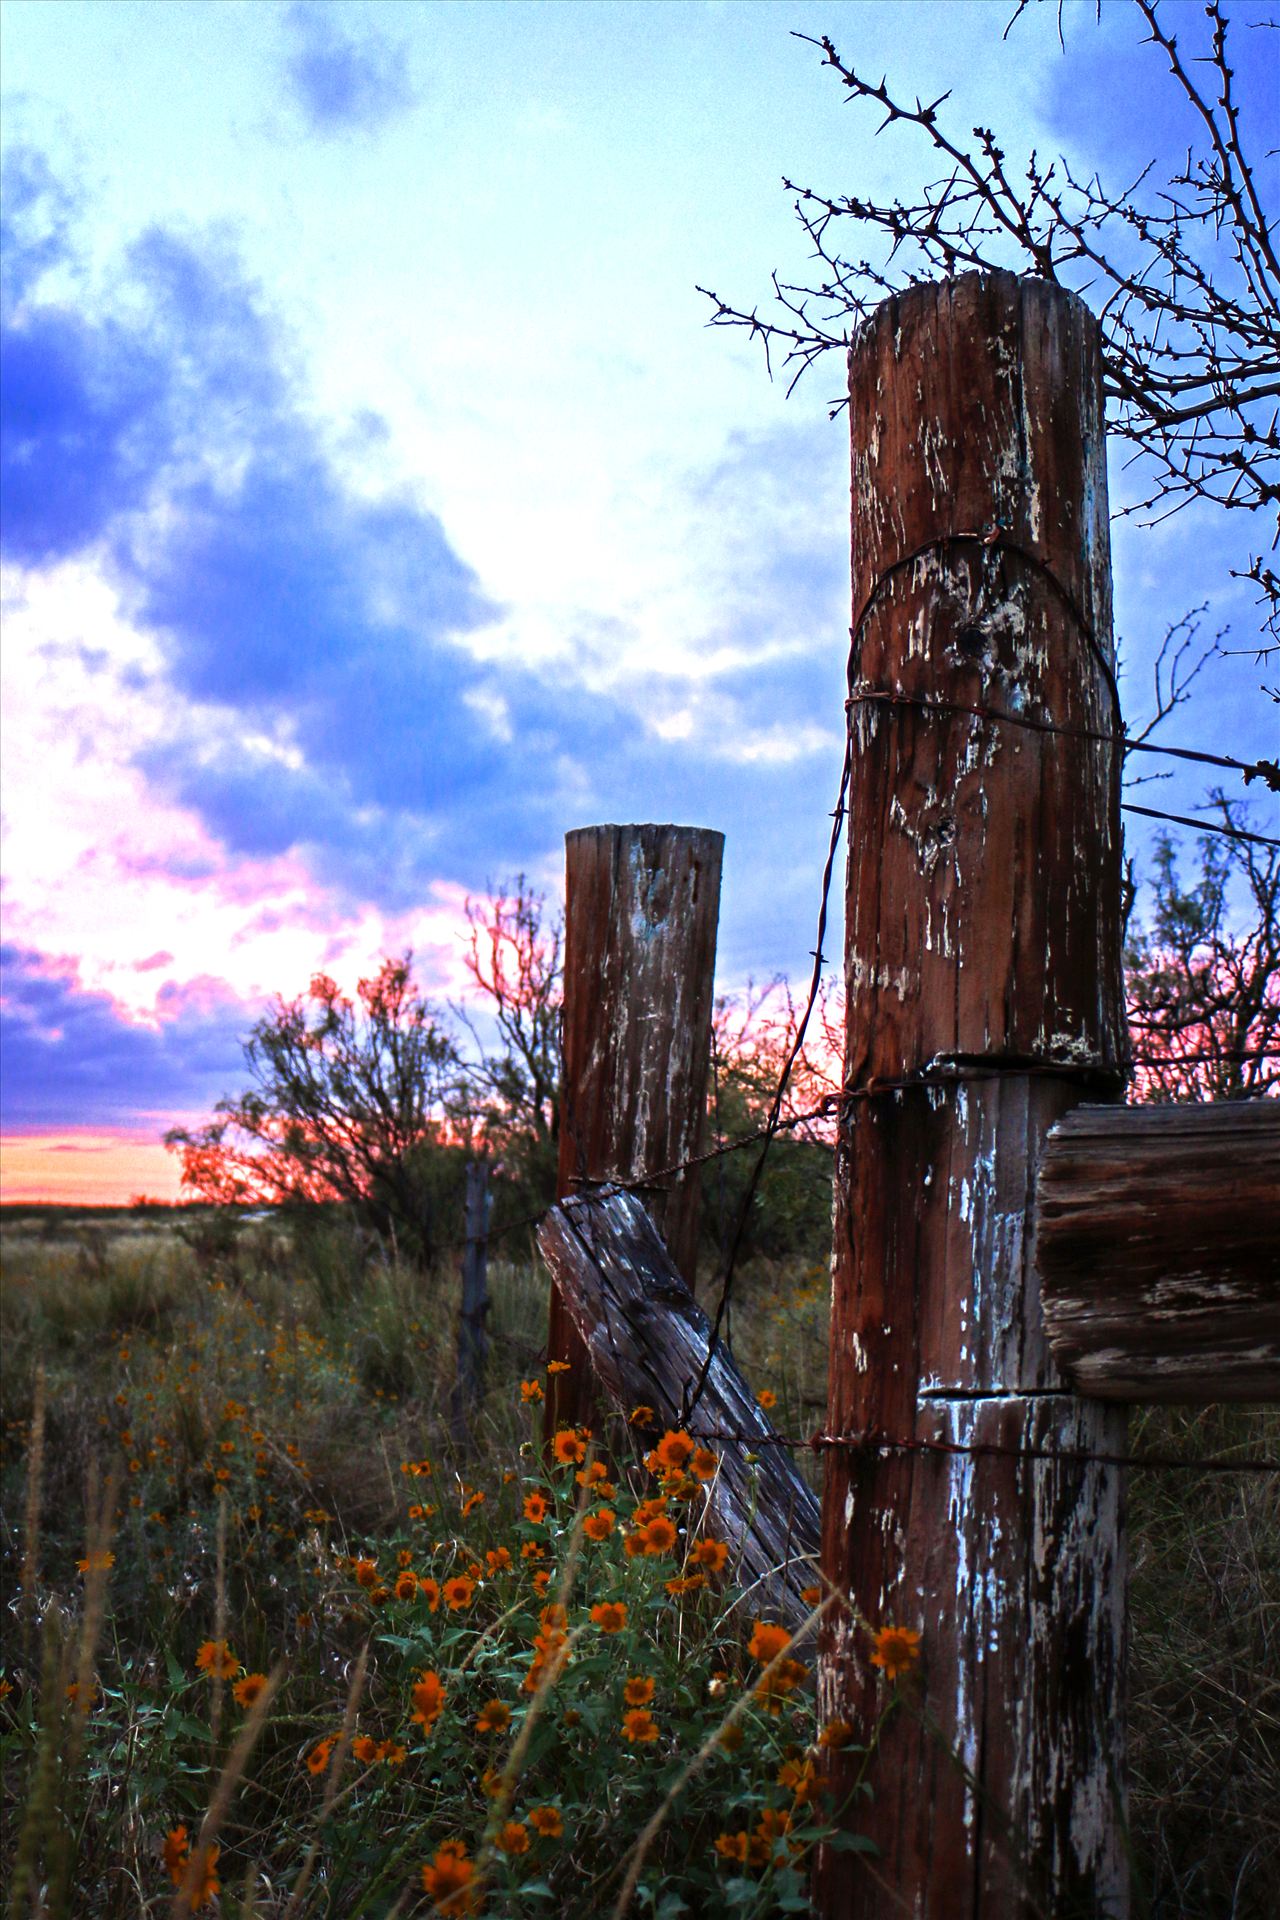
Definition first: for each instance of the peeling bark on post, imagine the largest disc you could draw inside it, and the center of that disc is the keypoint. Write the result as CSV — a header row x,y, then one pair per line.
x,y
982,949
1158,1247
641,910
647,1338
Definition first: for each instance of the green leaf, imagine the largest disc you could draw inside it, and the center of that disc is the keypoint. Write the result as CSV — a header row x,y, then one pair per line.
x,y
852,1843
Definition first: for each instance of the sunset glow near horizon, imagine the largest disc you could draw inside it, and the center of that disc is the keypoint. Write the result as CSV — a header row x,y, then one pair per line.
x,y
378,505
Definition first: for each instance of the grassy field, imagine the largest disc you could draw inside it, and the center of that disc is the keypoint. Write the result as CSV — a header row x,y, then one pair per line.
x,y
254,1580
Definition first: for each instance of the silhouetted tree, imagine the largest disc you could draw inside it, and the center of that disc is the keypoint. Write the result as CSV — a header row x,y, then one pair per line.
x,y
511,1090
349,1103
1202,973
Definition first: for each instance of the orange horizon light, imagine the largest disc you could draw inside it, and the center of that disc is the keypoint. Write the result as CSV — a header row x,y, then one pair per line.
x,y
102,1167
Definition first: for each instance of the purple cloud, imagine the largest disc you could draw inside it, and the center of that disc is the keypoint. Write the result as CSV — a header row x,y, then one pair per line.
x,y
342,84
69,1055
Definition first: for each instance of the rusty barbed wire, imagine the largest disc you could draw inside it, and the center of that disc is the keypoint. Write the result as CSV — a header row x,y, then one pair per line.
x,y
1267,771
871,1440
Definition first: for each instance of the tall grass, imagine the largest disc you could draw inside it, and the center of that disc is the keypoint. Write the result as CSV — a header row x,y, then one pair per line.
x,y
263,1405
320,1667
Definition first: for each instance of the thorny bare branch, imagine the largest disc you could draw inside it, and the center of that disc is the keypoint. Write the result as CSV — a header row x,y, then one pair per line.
x,y
1185,280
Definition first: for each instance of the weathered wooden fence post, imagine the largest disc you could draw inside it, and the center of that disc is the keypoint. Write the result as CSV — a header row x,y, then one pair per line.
x,y
473,1335
641,910
982,961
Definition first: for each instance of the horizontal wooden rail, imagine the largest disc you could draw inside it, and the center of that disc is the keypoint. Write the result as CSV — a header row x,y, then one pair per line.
x,y
1158,1245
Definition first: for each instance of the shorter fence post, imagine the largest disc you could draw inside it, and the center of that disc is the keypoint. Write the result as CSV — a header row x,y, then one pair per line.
x,y
473,1337
641,910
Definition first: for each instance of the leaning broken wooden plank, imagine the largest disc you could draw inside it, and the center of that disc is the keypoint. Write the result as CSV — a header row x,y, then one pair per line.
x,y
647,1338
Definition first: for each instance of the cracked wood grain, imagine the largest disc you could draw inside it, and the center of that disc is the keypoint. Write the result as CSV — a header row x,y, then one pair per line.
x,y
982,923
646,1338
1158,1246
641,910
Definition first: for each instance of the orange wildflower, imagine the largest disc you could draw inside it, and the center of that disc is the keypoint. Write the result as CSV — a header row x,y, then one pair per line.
x,y
659,1536
448,1877
365,1749
610,1615
177,1851
541,1580
366,1572
547,1821
536,1507
766,1398
836,1734
638,1691
897,1650
96,1562
568,1447
458,1591
557,1366
513,1838
648,1508
811,1595
246,1690
90,1694
704,1463
633,1545
595,1475
499,1559
554,1617
598,1526
767,1640
472,1501
206,1885
733,1846
675,1449
407,1587
428,1694
533,1550
687,1583
640,1727
782,1680
318,1758
530,1390
391,1752
640,1416
217,1660
709,1553
495,1717
799,1775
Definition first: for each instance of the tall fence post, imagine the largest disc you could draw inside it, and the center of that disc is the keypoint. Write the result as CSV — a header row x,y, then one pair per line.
x,y
473,1335
641,910
982,966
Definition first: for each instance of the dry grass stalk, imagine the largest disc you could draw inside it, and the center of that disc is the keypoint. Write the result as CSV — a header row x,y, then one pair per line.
x,y
229,1780
31,1532
219,1624
640,1852
554,1667
334,1774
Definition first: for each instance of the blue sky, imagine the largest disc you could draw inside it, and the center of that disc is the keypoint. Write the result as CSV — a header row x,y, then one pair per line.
x,y
379,506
